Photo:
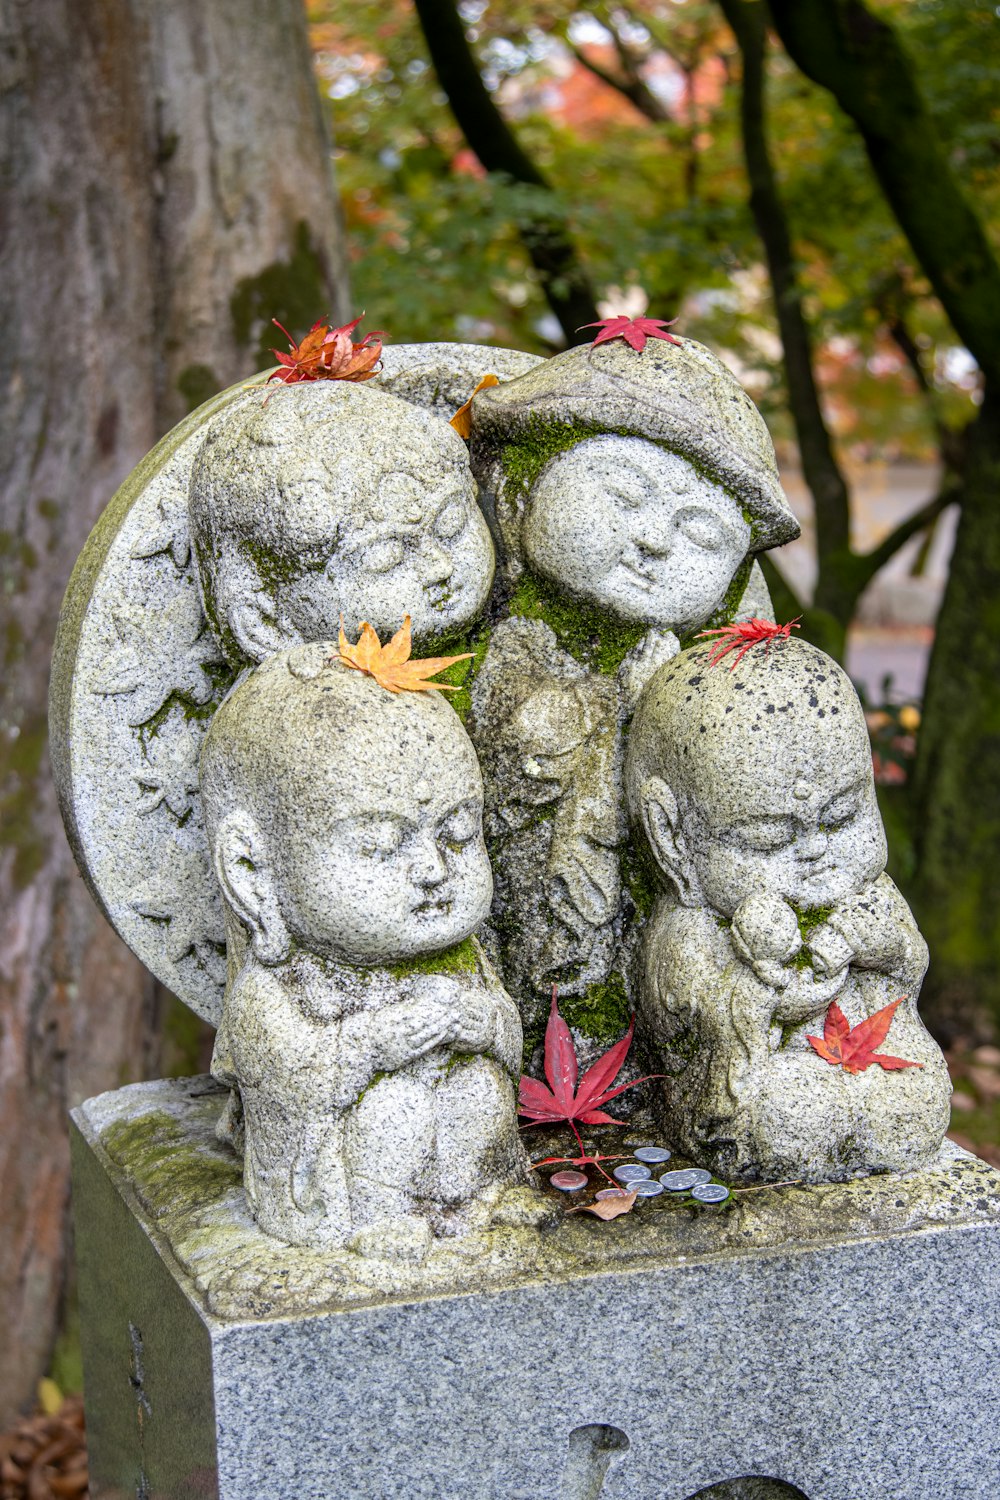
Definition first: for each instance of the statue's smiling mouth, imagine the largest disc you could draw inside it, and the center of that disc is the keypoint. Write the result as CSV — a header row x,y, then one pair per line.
x,y
642,578
433,906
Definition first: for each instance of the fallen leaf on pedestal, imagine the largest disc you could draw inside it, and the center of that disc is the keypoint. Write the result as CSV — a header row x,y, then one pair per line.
x,y
607,1208
853,1048
390,665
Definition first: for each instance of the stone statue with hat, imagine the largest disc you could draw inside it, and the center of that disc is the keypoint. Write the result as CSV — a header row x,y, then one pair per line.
x,y
629,490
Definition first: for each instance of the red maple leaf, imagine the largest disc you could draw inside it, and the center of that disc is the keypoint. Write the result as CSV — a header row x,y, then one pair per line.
x,y
747,635
853,1047
327,354
635,331
563,1101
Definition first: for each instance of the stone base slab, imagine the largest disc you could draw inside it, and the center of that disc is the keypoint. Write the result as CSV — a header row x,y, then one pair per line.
x,y
840,1342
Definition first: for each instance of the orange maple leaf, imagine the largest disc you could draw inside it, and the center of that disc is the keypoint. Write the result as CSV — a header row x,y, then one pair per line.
x,y
462,420
390,665
853,1048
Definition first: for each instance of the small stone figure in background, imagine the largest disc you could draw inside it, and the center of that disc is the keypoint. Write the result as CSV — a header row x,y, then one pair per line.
x,y
375,1049
629,491
333,499
754,788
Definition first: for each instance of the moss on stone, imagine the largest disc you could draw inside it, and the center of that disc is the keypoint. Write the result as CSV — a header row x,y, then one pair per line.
x,y
601,1012
463,958
640,876
174,1175
592,636
294,291
811,917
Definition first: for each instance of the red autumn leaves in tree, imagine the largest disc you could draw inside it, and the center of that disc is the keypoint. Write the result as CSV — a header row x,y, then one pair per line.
x,y
327,354
853,1047
635,331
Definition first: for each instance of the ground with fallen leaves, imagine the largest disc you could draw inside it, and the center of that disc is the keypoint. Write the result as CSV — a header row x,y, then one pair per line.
x,y
44,1457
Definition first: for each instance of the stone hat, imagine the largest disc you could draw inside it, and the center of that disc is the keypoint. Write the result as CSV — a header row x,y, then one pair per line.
x,y
679,395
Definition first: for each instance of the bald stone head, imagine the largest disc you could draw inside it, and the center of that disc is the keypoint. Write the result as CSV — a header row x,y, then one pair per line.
x,y
343,818
334,498
757,779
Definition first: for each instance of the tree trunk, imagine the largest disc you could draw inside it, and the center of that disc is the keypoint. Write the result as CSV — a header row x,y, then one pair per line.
x,y
957,783
166,188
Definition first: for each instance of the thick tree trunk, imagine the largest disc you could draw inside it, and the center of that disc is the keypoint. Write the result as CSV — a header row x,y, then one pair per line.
x,y
957,784
166,188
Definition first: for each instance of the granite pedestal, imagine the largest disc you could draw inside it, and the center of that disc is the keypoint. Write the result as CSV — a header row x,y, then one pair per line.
x,y
836,1342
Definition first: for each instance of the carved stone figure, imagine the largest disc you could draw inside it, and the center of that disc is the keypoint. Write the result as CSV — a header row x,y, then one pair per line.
x,y
375,1049
629,493
754,788
137,672
333,500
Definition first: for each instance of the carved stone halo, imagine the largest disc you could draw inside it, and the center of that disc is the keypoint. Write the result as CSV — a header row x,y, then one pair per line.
x,y
137,675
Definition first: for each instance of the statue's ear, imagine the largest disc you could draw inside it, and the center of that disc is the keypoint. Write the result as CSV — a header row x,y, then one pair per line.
x,y
257,630
661,821
247,882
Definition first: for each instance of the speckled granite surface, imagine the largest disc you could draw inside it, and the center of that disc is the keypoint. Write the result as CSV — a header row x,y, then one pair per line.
x,y
841,1339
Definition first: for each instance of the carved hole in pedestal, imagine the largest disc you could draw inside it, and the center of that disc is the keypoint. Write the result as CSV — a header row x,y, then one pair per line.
x,y
750,1487
592,1451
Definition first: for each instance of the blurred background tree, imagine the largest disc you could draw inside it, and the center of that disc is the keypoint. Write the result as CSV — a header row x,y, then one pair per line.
x,y
821,216
166,190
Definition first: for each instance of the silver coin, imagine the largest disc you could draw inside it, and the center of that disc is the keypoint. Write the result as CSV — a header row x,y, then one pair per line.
x,y
684,1179
710,1192
647,1189
569,1182
652,1154
611,1193
631,1171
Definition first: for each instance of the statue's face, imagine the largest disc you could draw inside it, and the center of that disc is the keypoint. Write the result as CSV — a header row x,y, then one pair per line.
x,y
418,546
780,820
626,525
386,860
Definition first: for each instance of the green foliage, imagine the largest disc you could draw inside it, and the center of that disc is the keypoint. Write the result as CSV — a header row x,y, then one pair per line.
x,y
659,205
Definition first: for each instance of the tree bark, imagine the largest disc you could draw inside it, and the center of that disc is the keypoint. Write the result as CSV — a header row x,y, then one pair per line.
x,y
166,187
553,254
836,595
956,789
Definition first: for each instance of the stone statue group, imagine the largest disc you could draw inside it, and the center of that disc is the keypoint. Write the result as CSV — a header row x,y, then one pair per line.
x,y
602,806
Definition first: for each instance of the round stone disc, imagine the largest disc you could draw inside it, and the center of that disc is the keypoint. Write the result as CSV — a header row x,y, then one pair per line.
x,y
137,675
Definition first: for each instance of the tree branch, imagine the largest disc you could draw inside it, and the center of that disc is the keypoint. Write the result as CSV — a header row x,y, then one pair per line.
x,y
870,563
633,88
819,465
842,46
546,240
